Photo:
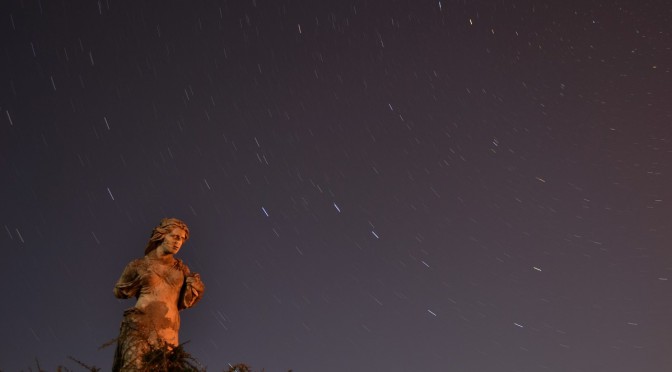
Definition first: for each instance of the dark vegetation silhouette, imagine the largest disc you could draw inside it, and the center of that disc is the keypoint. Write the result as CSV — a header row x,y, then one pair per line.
x,y
158,359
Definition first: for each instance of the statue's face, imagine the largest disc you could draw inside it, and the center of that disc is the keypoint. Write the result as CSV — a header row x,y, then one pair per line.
x,y
172,242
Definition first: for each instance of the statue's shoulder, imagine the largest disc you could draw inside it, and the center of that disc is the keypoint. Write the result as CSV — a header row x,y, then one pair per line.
x,y
136,264
180,265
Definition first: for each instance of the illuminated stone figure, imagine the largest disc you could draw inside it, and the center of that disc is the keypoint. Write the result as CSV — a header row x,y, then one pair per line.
x,y
163,286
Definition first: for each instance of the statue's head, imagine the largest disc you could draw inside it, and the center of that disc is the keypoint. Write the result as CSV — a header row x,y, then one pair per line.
x,y
165,227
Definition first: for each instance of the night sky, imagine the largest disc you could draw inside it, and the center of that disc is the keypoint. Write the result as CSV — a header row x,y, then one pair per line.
x,y
381,185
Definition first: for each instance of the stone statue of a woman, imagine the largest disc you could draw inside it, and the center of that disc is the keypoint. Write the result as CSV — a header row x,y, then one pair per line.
x,y
163,286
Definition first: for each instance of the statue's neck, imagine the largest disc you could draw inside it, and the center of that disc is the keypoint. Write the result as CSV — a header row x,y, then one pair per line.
x,y
166,258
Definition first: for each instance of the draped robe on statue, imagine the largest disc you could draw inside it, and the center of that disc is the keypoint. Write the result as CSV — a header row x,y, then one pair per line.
x,y
163,286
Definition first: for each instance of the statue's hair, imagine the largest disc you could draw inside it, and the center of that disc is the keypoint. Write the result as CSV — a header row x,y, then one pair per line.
x,y
166,226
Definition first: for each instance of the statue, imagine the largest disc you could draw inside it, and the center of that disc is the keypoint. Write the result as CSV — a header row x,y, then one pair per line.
x,y
163,286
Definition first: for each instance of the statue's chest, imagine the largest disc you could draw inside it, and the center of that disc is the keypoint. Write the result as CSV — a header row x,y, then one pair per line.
x,y
157,276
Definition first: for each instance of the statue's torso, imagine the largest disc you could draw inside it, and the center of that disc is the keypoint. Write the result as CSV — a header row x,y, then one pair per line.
x,y
158,298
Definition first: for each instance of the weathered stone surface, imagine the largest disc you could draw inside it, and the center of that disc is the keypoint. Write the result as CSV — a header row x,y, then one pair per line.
x,y
163,285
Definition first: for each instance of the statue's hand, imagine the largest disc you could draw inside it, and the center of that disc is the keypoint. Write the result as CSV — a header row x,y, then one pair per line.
x,y
192,291
194,280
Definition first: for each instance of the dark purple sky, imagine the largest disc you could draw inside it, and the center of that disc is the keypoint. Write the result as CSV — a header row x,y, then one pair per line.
x,y
370,185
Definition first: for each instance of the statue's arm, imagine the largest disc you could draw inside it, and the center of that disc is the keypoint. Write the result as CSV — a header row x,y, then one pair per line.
x,y
128,284
192,290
